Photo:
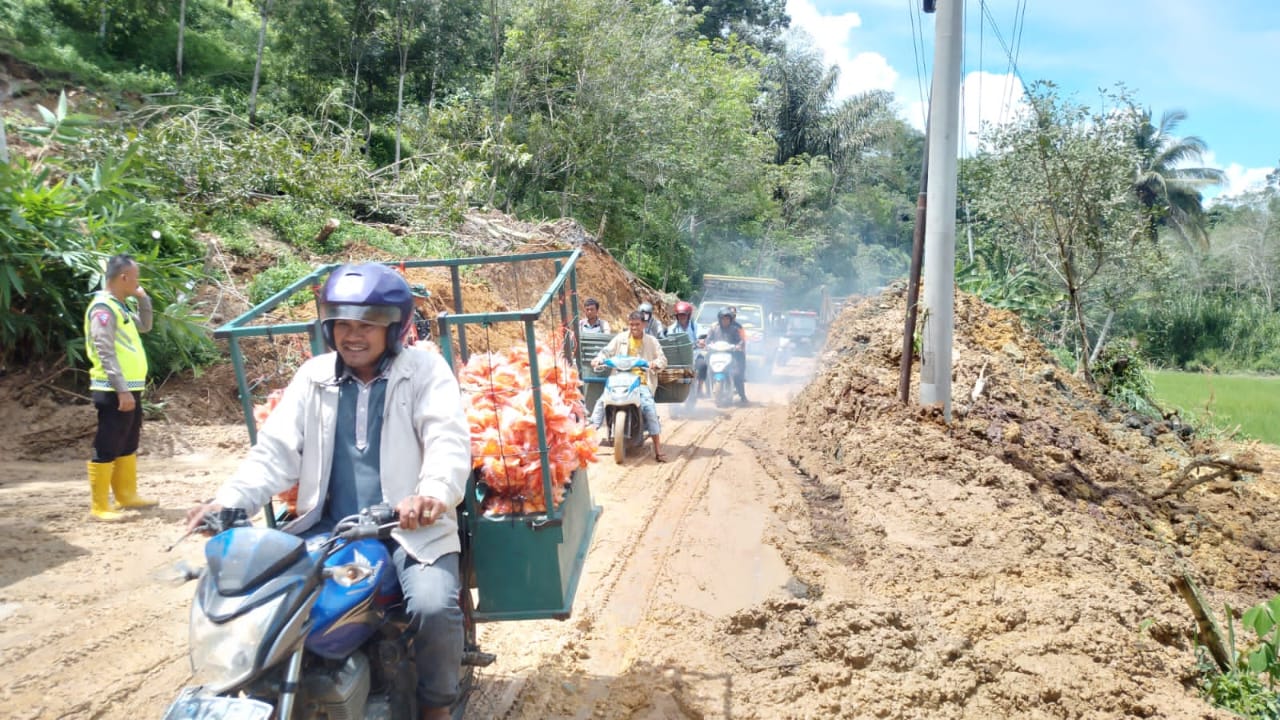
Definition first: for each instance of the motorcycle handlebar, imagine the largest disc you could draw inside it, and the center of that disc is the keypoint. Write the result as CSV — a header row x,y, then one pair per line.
x,y
374,522
369,532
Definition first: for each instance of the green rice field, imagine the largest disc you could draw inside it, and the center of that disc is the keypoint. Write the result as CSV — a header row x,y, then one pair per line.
x,y
1251,402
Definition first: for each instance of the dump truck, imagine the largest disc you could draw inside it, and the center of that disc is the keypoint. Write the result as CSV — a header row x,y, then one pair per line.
x,y
759,303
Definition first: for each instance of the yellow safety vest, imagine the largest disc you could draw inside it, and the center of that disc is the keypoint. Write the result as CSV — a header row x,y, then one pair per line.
x,y
129,351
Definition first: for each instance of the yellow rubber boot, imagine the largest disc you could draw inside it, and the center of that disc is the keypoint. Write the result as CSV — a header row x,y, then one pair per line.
x,y
124,483
100,491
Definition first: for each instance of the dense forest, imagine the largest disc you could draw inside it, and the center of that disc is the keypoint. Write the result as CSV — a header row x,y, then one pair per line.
x,y
692,137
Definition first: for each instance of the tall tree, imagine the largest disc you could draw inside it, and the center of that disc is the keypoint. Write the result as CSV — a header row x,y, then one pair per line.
x,y
182,33
409,18
798,91
759,22
617,114
1167,186
264,7
1055,188
806,119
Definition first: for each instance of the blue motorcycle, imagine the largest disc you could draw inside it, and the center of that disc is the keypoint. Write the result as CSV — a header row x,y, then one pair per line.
x,y
286,629
622,414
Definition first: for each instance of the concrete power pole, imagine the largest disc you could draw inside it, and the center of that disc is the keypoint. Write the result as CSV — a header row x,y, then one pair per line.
x,y
940,217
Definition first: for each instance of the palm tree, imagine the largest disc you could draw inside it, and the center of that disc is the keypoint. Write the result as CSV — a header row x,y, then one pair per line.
x,y
806,118
800,91
1168,188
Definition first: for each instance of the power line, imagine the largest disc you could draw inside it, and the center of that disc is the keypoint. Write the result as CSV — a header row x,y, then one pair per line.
x,y
917,48
1019,24
1012,68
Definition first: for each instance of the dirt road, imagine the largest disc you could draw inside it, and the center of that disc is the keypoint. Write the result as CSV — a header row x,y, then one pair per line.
x,y
89,627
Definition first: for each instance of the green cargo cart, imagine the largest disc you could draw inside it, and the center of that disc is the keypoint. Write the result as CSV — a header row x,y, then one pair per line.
x,y
674,384
520,566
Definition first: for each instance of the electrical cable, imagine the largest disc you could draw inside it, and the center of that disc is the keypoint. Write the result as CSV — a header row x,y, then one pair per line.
x,y
917,48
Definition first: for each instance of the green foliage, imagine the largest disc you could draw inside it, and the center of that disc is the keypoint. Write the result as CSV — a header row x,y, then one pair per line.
x,y
618,114
1056,189
1221,331
296,224
1167,185
1001,281
1121,375
63,222
235,233
1240,689
211,156
277,278
1242,693
1264,656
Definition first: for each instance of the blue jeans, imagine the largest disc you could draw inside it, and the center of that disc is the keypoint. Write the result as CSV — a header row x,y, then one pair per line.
x,y
648,411
431,600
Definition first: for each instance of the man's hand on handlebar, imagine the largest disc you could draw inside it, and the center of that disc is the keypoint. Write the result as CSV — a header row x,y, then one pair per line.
x,y
419,511
195,516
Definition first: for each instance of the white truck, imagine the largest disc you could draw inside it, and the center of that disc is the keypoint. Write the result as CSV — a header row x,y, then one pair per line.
x,y
759,303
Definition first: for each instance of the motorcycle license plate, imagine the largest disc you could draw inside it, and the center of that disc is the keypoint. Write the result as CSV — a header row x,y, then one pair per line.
x,y
190,706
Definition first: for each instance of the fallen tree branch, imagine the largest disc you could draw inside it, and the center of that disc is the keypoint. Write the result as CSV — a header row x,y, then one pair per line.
x,y
1223,466
1207,630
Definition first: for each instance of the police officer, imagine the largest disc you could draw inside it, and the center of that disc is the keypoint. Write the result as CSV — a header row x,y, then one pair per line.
x,y
117,376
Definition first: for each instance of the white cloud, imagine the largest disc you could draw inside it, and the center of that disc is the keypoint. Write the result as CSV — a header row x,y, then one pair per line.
x,y
984,98
859,72
830,32
865,71
1240,179
988,99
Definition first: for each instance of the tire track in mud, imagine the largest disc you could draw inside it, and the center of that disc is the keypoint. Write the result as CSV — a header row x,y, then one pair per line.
x,y
95,631
641,558
99,657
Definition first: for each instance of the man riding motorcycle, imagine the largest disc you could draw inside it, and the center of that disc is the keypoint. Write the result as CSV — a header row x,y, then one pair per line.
x,y
635,342
652,326
355,428
727,330
684,324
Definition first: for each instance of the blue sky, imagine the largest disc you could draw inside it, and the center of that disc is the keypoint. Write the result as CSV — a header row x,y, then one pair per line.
x,y
1219,60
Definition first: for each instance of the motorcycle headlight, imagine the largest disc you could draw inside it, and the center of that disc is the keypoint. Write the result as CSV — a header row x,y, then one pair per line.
x,y
349,574
222,655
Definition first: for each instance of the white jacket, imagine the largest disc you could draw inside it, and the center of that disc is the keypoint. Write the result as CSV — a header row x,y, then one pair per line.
x,y
426,447
650,349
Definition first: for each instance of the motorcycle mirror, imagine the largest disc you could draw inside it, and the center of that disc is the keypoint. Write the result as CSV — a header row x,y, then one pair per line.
x,y
177,574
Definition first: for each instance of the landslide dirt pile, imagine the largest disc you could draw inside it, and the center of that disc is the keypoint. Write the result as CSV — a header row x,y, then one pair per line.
x,y
516,286
1013,564
56,421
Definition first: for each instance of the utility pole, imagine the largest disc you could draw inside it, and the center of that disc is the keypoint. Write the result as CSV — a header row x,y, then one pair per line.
x,y
940,215
913,278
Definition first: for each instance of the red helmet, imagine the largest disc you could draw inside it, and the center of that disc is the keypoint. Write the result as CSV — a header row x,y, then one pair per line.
x,y
683,308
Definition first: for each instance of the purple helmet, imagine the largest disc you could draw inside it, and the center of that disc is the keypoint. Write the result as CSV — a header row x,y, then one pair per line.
x,y
371,293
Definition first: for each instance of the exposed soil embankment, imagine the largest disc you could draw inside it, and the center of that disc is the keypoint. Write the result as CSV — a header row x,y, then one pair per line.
x,y
1015,563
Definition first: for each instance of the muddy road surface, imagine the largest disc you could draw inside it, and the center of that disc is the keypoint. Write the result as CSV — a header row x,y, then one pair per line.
x,y
92,626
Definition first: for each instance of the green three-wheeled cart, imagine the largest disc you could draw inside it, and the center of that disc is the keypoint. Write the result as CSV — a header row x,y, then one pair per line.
x,y
514,566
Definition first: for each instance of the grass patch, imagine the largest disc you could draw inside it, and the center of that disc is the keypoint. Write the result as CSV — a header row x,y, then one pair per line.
x,y
1225,401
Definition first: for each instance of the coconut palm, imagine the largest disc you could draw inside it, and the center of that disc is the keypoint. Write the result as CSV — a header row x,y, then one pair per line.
x,y
805,116
800,90
1167,184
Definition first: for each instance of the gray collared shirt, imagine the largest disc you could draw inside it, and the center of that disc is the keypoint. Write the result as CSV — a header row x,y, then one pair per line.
x,y
355,481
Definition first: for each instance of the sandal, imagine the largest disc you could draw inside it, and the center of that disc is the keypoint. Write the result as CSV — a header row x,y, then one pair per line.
x,y
659,458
